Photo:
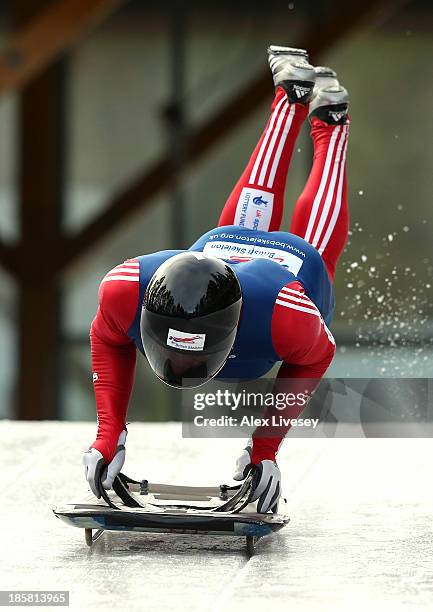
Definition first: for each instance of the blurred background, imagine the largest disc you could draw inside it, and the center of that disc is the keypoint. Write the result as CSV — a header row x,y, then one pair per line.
x,y
125,124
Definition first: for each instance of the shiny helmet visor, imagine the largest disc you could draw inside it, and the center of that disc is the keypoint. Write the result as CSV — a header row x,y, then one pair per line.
x,y
188,353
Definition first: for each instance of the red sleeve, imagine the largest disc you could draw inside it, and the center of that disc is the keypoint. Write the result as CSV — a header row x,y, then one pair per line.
x,y
114,353
299,333
307,347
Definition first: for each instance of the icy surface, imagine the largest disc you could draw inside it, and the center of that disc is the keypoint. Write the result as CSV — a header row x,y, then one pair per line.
x,y
360,536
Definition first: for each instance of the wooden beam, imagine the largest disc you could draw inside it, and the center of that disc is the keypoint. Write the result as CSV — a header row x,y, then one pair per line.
x,y
38,381
343,17
8,258
49,34
41,173
41,113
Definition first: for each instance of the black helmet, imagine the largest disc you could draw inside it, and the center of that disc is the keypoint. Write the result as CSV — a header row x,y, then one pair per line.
x,y
189,319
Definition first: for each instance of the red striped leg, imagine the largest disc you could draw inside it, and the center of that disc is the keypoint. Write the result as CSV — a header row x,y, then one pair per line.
x,y
257,200
321,213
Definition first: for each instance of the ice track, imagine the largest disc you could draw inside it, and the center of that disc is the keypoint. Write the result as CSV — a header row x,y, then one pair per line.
x,y
360,537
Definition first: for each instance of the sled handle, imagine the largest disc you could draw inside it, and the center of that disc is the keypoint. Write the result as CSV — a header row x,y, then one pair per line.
x,y
121,487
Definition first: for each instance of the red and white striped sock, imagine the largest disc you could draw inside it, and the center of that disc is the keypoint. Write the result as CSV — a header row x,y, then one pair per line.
x,y
257,201
321,214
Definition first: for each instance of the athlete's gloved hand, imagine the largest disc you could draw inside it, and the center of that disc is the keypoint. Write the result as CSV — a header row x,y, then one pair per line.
x,y
94,462
243,464
266,485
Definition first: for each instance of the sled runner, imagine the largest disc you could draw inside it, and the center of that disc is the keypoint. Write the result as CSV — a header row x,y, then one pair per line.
x,y
158,508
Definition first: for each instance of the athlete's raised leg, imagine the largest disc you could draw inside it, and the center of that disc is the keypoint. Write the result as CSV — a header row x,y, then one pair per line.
x,y
257,201
321,214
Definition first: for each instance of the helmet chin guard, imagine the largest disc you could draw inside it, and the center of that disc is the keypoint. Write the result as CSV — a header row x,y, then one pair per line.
x,y
189,319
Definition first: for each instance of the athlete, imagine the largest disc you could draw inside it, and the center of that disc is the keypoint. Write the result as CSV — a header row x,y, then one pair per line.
x,y
245,295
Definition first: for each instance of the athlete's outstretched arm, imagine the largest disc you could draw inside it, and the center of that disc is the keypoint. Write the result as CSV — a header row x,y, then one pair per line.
x,y
307,347
114,354
321,214
257,201
294,381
